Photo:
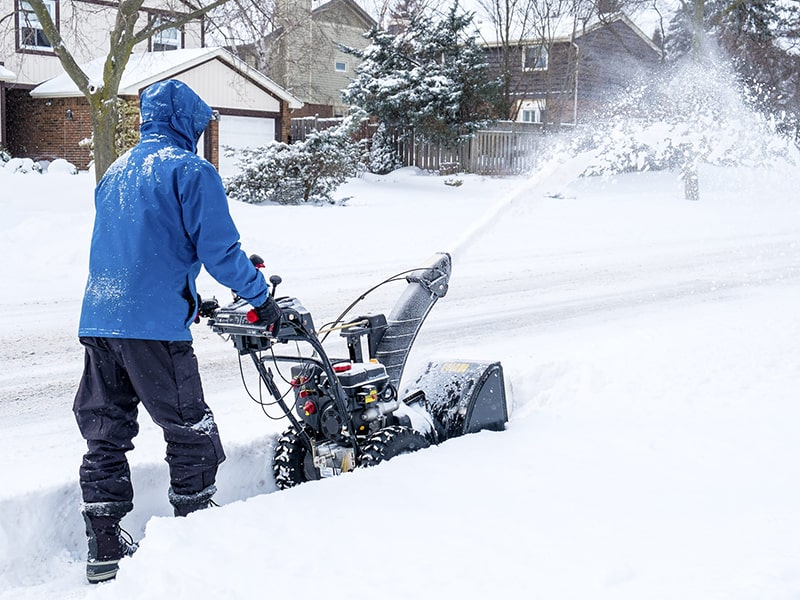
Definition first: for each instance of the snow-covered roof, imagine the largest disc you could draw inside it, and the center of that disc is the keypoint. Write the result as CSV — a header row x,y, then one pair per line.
x,y
149,67
6,75
560,29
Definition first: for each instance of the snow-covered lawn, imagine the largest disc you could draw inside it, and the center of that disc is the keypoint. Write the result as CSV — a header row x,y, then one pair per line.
x,y
651,355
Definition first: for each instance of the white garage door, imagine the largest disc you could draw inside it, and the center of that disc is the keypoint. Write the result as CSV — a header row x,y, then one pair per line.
x,y
242,132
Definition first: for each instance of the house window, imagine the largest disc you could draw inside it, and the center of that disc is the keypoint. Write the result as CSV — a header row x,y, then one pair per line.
x,y
30,33
534,58
531,111
169,39
341,67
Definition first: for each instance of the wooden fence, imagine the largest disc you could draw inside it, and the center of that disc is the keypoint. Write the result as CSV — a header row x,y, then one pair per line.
x,y
488,152
505,149
302,126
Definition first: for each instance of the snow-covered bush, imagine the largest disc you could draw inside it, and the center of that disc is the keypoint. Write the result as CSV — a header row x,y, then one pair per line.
x,y
307,171
383,156
22,166
61,166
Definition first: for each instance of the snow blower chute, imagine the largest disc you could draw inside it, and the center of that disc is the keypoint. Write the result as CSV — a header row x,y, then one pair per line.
x,y
348,412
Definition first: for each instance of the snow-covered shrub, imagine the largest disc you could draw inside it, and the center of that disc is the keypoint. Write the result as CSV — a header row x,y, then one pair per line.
x,y
5,156
61,166
22,166
307,171
383,156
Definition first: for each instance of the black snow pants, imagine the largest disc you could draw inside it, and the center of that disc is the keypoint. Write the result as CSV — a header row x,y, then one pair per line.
x,y
118,374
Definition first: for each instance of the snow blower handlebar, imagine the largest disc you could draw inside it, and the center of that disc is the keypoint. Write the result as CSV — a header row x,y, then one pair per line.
x,y
296,325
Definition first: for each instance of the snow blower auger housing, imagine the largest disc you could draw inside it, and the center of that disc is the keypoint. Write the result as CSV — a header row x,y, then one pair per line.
x,y
347,412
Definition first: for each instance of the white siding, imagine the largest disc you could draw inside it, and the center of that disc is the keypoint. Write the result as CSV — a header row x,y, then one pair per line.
x,y
221,87
84,27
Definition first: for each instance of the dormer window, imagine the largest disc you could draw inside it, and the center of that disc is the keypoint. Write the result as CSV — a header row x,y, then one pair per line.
x,y
30,34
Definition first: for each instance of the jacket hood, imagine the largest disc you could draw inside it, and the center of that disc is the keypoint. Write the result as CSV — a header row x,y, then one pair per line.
x,y
173,109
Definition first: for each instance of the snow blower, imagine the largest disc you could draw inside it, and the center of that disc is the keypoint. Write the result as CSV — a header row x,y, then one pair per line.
x,y
349,412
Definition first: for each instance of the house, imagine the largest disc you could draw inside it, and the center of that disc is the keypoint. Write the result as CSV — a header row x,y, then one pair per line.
x,y
44,116
304,52
574,70
563,73
5,75
252,109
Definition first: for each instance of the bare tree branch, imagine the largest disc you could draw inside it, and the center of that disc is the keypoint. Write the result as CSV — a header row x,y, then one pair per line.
x,y
103,96
174,21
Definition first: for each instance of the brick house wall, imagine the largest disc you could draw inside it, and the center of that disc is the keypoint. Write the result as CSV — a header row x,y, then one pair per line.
x,y
53,127
211,151
285,123
60,124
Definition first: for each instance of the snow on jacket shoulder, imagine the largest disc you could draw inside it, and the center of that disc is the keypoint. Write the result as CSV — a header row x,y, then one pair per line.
x,y
161,213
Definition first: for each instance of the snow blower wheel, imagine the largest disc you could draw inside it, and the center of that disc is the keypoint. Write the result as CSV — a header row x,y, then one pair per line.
x,y
390,442
292,464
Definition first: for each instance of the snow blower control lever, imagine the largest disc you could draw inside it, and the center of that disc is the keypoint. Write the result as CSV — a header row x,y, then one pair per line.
x,y
350,412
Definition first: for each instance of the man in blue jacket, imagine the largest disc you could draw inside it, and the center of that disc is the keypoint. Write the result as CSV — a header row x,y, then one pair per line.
x,y
161,213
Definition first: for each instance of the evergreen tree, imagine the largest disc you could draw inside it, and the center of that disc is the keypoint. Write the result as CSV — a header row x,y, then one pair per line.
x,y
754,34
757,36
383,156
431,78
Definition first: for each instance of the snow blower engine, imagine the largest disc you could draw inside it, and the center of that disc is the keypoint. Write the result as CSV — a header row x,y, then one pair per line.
x,y
349,412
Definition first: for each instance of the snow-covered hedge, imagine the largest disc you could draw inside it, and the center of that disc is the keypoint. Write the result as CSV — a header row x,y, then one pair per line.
x,y
24,166
307,171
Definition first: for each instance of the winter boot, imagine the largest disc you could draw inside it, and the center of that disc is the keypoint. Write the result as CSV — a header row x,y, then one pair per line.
x,y
107,544
185,504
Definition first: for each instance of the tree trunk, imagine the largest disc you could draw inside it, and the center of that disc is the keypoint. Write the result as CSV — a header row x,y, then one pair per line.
x,y
698,36
690,177
104,122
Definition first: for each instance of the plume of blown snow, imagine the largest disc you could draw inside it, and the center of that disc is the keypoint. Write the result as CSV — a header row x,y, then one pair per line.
x,y
697,112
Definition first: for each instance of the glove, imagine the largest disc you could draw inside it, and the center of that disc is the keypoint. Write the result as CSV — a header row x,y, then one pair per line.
x,y
207,307
269,312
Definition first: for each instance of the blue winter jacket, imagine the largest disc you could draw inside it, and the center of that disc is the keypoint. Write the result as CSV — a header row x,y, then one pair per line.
x,y
161,212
